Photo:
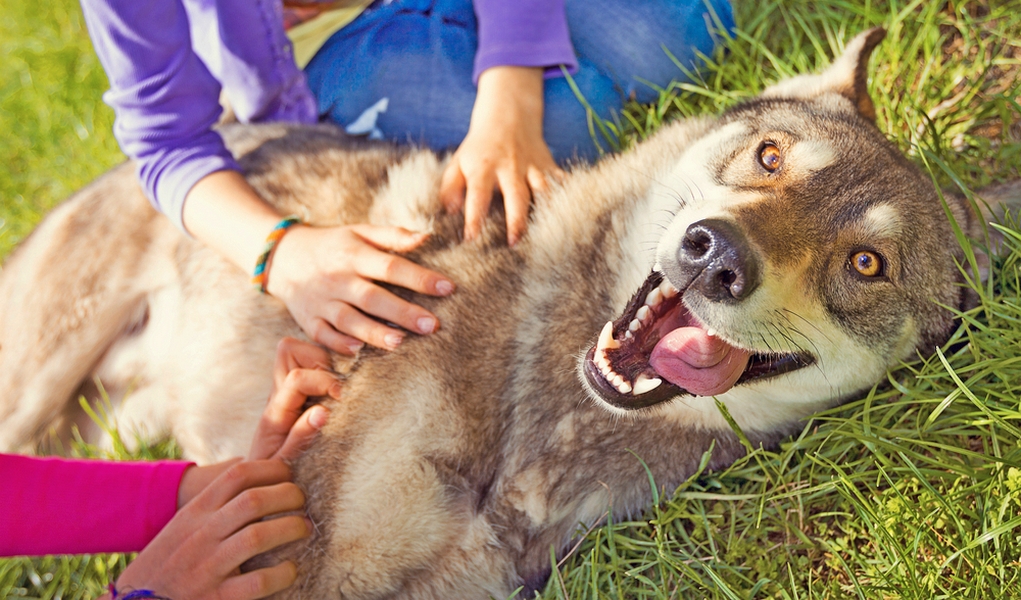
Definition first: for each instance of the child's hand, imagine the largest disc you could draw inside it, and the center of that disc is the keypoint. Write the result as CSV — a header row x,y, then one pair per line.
x,y
283,431
327,277
301,370
197,555
504,148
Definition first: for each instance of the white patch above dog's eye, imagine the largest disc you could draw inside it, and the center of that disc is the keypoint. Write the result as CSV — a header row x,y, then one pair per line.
x,y
811,155
882,220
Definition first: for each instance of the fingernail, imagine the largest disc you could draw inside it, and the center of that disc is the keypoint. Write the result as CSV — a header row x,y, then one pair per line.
x,y
335,391
355,347
311,526
512,239
444,287
426,325
392,340
319,415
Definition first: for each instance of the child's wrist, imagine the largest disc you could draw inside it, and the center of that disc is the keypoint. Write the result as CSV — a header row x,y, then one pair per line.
x,y
260,276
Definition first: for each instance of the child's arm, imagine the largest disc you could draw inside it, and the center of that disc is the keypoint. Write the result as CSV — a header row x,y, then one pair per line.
x,y
520,43
221,523
166,103
325,275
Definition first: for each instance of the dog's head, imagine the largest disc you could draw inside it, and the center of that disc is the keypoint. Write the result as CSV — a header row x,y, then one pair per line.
x,y
806,256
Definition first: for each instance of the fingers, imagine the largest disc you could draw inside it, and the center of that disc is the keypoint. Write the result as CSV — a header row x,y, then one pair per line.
x,y
538,178
397,270
352,321
277,426
238,478
324,333
256,503
452,186
476,203
303,432
285,403
516,199
260,583
260,537
293,354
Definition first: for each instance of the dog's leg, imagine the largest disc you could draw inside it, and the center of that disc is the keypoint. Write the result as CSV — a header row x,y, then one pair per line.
x,y
66,294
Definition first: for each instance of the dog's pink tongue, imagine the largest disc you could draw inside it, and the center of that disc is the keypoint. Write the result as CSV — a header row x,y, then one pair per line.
x,y
705,366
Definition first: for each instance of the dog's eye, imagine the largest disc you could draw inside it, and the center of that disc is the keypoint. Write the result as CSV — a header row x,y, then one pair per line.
x,y
769,157
867,263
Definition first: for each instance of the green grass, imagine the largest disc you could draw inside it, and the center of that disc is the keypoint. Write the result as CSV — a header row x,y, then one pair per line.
x,y
911,492
55,132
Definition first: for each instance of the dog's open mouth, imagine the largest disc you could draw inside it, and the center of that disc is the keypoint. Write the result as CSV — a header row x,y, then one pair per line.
x,y
656,350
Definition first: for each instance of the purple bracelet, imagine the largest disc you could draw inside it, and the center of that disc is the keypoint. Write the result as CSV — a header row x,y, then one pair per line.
x,y
134,594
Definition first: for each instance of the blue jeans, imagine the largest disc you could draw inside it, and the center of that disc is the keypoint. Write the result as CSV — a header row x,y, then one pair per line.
x,y
418,55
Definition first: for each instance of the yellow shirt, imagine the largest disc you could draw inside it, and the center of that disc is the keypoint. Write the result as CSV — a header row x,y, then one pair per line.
x,y
309,37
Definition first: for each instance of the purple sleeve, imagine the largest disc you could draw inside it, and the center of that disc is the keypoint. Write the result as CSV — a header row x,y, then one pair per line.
x,y
165,89
523,33
68,506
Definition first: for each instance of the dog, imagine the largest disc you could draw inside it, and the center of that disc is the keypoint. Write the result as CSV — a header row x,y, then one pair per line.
x,y
777,259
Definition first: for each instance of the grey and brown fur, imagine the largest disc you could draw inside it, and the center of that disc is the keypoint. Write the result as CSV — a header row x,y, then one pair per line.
x,y
453,464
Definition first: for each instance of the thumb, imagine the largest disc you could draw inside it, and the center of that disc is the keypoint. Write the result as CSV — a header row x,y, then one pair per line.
x,y
303,432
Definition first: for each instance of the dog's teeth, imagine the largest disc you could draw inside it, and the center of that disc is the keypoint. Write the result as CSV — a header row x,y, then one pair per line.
x,y
624,387
654,298
643,313
617,380
667,289
606,341
710,332
628,335
601,361
645,384
634,326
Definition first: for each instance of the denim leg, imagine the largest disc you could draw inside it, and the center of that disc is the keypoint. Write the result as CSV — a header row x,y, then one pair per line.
x,y
402,70
412,53
625,39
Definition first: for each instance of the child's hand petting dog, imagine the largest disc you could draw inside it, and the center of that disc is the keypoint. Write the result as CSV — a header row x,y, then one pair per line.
x,y
504,148
199,552
301,370
223,508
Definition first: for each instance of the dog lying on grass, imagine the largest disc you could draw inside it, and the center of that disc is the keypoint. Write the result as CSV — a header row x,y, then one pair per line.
x,y
777,259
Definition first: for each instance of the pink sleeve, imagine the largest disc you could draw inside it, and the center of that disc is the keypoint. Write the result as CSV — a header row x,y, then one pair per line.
x,y
70,506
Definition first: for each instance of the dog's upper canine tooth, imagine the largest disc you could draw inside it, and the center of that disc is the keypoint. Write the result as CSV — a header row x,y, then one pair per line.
x,y
645,384
654,298
606,341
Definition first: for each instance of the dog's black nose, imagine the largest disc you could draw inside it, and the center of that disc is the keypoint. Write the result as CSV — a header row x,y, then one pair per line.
x,y
715,256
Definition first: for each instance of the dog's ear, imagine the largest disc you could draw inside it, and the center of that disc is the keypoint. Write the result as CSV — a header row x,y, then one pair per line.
x,y
847,76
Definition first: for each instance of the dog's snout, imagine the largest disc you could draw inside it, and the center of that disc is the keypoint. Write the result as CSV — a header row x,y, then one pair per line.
x,y
716,258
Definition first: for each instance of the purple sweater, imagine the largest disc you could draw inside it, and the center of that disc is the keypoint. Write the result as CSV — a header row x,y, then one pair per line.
x,y
168,60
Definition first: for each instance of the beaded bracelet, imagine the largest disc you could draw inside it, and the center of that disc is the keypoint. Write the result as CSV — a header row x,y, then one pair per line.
x,y
260,275
134,594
